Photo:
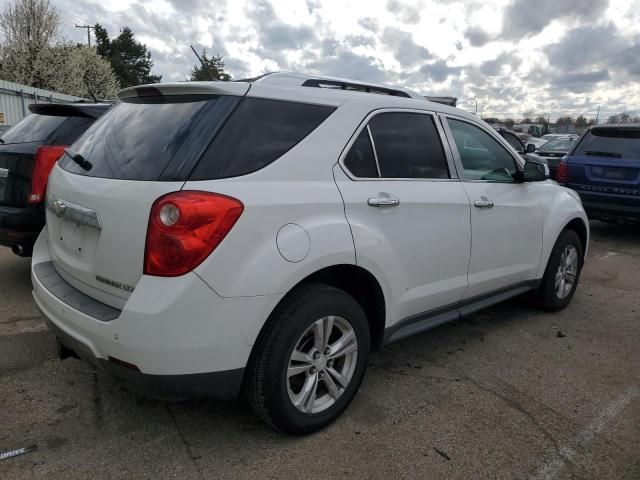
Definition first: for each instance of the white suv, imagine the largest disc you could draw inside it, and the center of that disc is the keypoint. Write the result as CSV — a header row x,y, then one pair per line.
x,y
263,236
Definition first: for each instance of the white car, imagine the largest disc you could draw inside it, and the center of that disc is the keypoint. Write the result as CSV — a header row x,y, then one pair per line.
x,y
264,236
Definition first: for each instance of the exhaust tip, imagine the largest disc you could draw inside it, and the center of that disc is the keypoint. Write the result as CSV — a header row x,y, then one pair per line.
x,y
18,250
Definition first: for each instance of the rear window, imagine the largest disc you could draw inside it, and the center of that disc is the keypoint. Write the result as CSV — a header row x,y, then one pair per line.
x,y
169,138
259,132
610,142
149,138
53,130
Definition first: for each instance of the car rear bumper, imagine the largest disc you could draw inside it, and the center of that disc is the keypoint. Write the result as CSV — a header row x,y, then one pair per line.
x,y
601,206
175,338
20,226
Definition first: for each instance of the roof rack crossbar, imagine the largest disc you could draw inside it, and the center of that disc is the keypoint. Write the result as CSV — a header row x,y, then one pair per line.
x,y
323,83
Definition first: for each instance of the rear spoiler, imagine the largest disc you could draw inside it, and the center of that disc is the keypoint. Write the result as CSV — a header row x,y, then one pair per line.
x,y
88,110
236,89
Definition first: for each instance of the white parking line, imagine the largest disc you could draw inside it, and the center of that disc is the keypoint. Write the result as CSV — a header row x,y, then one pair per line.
x,y
553,464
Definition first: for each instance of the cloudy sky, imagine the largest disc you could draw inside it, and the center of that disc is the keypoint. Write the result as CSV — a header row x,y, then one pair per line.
x,y
549,56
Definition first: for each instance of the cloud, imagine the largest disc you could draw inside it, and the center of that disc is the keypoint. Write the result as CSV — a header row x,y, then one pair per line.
x,y
580,81
349,65
523,18
404,49
477,36
274,34
495,67
439,71
406,13
369,23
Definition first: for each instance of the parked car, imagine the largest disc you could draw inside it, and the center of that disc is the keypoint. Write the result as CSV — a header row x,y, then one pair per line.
x,y
514,139
604,168
28,151
552,152
207,238
554,136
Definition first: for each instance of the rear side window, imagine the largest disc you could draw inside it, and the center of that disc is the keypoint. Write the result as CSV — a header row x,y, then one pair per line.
x,y
408,146
150,138
360,160
259,132
610,142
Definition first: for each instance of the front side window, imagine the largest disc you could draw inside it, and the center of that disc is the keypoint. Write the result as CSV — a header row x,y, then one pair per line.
x,y
482,156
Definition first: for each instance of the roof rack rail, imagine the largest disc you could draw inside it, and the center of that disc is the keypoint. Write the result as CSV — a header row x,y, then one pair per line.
x,y
339,85
318,81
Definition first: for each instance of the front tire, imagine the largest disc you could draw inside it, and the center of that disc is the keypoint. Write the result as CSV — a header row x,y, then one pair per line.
x,y
563,272
310,361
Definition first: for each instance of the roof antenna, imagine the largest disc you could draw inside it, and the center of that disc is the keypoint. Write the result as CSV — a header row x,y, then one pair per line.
x,y
213,79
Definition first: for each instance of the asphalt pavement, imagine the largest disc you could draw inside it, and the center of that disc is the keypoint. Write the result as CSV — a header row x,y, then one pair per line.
x,y
511,392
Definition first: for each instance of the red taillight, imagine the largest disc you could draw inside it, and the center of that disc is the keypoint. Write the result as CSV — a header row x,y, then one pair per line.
x,y
46,158
184,228
562,172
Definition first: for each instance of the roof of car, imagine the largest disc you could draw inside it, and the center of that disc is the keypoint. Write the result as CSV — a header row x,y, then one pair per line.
x,y
311,88
616,125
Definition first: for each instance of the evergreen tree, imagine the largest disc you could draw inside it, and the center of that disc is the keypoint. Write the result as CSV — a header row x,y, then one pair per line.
x,y
214,64
130,59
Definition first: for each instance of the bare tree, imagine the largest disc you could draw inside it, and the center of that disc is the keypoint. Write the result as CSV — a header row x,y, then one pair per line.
x,y
28,27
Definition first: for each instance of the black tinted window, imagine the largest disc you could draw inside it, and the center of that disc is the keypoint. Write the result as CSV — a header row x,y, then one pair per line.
x,y
360,160
259,132
610,142
69,130
33,128
150,138
483,158
514,142
408,146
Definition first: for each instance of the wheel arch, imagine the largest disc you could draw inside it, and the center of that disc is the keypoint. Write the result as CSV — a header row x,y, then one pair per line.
x,y
361,284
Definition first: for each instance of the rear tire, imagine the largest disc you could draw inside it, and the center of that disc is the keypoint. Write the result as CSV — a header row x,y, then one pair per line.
x,y
298,380
562,273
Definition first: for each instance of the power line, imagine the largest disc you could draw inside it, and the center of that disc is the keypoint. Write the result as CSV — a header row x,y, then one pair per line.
x,y
88,27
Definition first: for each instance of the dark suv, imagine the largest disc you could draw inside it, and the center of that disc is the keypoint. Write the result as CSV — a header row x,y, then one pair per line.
x,y
28,151
604,168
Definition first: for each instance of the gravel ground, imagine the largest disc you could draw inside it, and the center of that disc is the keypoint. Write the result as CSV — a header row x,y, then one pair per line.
x,y
511,392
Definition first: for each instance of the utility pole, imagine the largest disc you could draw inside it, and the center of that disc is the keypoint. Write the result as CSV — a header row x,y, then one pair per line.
x,y
88,27
597,114
476,107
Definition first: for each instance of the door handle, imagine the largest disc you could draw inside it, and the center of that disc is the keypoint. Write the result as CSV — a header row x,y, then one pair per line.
x,y
383,200
484,202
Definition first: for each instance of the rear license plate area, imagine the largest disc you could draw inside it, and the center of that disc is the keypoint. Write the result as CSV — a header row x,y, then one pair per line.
x,y
71,236
613,173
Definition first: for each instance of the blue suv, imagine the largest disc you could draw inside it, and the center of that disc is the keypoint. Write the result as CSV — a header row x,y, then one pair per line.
x,y
604,168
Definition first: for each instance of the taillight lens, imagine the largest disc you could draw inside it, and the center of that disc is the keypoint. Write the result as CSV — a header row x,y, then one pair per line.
x,y
184,228
562,172
46,158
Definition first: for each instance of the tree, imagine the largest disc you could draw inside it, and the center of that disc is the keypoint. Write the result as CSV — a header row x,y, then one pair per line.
x,y
214,64
509,122
581,121
77,70
528,115
28,27
130,59
541,119
564,121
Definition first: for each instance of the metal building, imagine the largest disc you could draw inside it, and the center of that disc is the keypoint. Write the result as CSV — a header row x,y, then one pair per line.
x,y
15,98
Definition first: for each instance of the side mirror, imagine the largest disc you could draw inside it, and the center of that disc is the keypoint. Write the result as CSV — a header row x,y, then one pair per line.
x,y
535,171
531,148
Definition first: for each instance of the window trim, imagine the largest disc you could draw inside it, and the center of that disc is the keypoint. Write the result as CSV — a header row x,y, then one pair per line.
x,y
517,160
453,171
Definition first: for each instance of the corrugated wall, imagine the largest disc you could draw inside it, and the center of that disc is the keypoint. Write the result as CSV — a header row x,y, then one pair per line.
x,y
15,98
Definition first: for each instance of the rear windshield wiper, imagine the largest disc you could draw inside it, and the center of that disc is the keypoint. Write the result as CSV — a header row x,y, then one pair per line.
x,y
593,153
79,159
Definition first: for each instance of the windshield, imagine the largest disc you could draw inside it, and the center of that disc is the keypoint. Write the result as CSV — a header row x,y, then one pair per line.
x,y
611,142
561,145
